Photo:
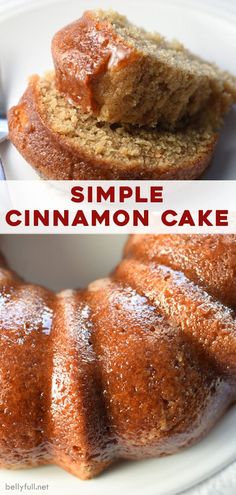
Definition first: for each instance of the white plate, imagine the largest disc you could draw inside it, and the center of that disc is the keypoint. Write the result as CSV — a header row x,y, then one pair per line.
x,y
207,28
25,36
73,261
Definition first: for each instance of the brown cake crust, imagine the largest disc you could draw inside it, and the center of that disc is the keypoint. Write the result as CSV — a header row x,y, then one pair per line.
x,y
138,365
54,157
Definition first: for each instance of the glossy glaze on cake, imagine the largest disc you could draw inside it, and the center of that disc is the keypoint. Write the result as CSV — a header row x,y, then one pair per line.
x,y
138,365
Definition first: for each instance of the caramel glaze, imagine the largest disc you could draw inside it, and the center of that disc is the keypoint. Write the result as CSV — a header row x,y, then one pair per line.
x,y
138,365
82,54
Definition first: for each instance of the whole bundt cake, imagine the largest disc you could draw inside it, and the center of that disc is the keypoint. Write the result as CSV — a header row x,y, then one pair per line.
x,y
140,364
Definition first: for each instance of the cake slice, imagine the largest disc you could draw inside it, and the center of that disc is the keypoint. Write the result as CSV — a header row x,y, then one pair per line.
x,y
62,142
124,74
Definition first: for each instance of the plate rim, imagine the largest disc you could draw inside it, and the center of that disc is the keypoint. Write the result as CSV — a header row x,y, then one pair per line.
x,y
221,9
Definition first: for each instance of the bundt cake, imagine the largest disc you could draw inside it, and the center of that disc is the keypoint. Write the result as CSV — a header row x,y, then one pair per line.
x,y
124,74
140,364
62,142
